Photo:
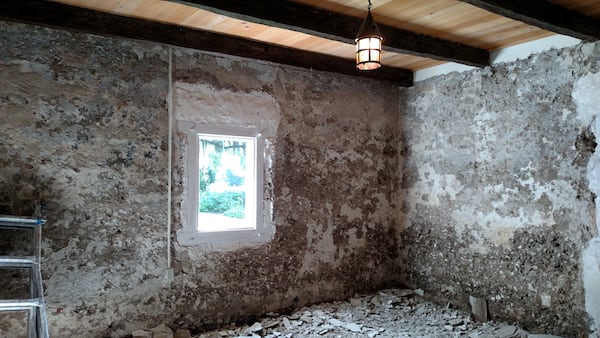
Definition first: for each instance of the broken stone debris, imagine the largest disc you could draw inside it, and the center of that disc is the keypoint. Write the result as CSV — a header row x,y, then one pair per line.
x,y
388,313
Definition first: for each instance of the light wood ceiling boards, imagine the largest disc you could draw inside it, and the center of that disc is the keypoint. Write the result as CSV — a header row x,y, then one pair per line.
x,y
319,33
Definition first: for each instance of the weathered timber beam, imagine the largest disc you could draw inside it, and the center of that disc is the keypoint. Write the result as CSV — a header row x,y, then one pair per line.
x,y
53,14
545,15
339,27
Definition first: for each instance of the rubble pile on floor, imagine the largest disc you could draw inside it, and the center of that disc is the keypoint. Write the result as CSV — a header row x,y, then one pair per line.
x,y
388,313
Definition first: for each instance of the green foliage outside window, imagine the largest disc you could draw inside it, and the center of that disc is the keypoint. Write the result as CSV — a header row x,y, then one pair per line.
x,y
229,203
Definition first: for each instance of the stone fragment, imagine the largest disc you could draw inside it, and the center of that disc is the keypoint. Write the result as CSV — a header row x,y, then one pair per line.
x,y
352,327
419,292
542,336
348,326
318,313
141,334
356,301
306,318
295,316
256,327
322,332
287,323
506,331
335,322
455,322
270,323
478,308
405,293
162,331
182,334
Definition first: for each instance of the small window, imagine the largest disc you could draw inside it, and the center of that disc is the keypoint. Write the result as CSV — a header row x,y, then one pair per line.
x,y
227,177
224,202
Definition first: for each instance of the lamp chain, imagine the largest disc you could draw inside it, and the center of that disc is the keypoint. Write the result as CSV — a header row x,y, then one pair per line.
x,y
369,7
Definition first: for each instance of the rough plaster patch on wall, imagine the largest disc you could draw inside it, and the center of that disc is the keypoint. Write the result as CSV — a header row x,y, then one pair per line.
x,y
203,103
351,213
349,155
381,214
206,104
585,95
432,187
495,228
324,250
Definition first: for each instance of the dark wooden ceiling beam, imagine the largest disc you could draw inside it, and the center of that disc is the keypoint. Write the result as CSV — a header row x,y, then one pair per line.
x,y
545,15
339,27
57,15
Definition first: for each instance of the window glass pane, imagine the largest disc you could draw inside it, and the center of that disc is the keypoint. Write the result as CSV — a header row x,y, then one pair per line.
x,y
227,183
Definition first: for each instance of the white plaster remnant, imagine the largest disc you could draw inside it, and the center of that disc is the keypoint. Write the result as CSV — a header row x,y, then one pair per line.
x,y
203,103
30,67
432,187
587,100
505,55
546,300
351,213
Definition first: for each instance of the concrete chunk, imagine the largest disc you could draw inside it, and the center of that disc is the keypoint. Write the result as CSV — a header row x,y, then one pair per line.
x,y
256,327
478,308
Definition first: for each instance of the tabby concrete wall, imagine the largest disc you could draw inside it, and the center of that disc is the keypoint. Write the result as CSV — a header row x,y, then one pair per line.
x,y
494,196
84,129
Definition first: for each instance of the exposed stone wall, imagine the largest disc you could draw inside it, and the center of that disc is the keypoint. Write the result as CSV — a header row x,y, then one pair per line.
x,y
334,186
494,193
84,129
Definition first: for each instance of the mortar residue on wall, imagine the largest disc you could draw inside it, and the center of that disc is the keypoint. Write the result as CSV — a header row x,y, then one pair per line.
x,y
495,201
84,129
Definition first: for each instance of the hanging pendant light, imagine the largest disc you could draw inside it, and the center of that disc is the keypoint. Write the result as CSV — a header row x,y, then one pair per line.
x,y
368,44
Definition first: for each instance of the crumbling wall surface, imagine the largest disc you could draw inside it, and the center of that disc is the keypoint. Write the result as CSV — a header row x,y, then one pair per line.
x,y
494,196
84,128
333,186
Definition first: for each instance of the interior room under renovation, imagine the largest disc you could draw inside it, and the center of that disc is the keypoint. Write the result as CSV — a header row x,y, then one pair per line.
x,y
307,168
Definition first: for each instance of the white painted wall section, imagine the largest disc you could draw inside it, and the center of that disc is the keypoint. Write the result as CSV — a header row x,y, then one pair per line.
x,y
587,100
509,54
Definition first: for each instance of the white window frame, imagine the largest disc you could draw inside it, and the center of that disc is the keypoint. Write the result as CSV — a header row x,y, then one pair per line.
x,y
189,234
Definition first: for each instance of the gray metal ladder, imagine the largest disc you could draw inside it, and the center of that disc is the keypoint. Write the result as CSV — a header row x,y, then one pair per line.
x,y
37,321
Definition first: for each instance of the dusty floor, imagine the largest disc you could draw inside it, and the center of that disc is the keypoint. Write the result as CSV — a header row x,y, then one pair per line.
x,y
388,313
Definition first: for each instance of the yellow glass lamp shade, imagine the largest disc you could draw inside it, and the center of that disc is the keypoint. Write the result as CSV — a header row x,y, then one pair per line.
x,y
368,44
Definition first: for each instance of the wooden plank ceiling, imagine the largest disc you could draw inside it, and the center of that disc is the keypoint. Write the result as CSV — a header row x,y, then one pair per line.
x,y
417,34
